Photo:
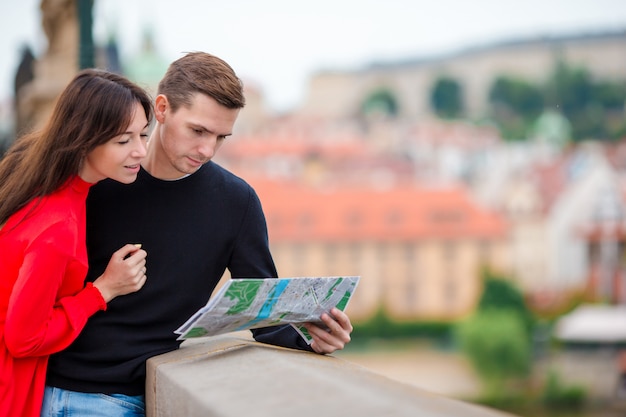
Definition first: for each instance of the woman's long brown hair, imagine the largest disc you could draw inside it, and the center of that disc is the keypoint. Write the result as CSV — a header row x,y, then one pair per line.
x,y
95,107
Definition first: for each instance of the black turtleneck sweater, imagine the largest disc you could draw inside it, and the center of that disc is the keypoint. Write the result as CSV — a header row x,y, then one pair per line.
x,y
193,229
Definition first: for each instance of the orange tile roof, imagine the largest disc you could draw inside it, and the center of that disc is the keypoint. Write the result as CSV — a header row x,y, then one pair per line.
x,y
302,213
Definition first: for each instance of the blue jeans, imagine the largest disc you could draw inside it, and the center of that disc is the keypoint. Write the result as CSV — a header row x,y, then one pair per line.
x,y
58,402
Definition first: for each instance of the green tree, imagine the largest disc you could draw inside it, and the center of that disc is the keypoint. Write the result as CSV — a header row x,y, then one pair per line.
x,y
517,95
611,95
500,294
447,98
498,337
497,344
515,104
569,89
594,108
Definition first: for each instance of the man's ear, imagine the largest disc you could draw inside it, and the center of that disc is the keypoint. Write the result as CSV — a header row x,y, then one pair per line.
x,y
161,106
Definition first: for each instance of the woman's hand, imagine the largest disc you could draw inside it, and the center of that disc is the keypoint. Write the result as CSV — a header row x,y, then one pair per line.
x,y
125,273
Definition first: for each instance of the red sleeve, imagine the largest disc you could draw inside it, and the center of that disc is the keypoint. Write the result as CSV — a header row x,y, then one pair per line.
x,y
38,323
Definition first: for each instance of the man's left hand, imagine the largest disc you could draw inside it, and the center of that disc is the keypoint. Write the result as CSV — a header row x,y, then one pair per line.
x,y
335,337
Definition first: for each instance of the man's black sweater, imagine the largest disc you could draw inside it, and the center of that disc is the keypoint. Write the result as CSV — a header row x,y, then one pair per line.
x,y
193,229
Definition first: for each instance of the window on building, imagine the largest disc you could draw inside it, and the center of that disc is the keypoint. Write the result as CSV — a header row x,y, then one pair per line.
x,y
380,102
412,277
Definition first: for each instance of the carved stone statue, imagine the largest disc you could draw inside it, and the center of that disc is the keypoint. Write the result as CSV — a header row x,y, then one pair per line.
x,y
56,67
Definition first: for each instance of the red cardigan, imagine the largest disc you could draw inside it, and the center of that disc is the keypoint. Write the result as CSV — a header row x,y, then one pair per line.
x,y
44,303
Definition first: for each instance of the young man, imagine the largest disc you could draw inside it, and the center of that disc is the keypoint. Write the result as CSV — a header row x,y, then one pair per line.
x,y
195,220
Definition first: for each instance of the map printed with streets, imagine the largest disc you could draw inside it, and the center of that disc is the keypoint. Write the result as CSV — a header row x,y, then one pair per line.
x,y
250,303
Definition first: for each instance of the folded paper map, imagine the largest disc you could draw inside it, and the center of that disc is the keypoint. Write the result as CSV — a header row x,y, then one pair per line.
x,y
250,303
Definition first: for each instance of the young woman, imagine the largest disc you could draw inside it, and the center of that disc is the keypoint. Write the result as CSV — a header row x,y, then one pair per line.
x,y
98,130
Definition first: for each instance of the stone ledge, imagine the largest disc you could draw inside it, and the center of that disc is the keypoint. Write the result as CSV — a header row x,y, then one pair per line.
x,y
235,376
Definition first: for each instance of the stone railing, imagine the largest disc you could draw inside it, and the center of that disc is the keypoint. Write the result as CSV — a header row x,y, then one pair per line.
x,y
233,376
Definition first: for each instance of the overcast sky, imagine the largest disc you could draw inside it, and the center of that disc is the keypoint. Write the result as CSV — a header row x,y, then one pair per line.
x,y
278,44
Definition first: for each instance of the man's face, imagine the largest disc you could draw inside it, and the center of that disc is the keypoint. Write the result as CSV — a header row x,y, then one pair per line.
x,y
190,136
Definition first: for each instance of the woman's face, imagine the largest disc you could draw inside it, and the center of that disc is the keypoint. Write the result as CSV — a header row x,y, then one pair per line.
x,y
120,157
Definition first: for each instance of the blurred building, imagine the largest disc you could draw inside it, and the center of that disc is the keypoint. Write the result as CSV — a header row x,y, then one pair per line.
x,y
551,199
407,84
566,211
419,250
255,114
344,200
593,355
